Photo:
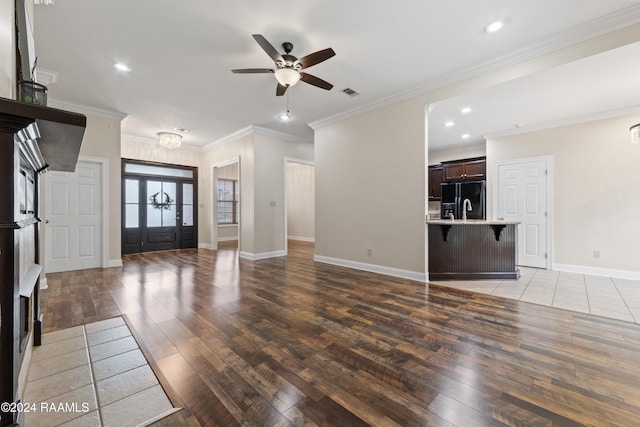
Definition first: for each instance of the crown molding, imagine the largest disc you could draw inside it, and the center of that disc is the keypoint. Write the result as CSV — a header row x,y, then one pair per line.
x,y
85,109
241,133
580,33
251,129
280,135
154,141
566,122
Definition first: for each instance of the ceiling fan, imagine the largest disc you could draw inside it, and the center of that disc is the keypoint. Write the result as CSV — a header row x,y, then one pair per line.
x,y
288,67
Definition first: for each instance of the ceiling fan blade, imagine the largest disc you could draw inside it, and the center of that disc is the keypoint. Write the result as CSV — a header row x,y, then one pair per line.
x,y
281,89
268,47
252,70
316,81
315,58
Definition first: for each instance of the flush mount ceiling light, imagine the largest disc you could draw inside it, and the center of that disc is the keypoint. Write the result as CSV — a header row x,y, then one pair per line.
x,y
169,140
635,133
287,77
494,27
121,67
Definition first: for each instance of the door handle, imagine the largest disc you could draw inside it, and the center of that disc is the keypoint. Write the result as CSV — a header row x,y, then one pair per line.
x,y
46,221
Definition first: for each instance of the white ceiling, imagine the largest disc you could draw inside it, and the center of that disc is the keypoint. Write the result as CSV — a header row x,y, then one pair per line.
x,y
181,54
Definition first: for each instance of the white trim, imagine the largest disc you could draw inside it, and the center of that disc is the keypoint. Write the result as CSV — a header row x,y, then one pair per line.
x,y
549,166
227,225
206,246
251,129
231,137
262,255
114,263
566,122
588,30
597,271
280,135
104,165
302,238
43,282
380,269
85,109
228,239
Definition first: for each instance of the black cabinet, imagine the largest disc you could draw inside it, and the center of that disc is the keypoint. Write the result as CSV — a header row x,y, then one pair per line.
x,y
435,179
469,169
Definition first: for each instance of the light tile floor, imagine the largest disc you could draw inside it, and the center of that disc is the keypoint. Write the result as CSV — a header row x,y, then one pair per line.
x,y
92,375
602,296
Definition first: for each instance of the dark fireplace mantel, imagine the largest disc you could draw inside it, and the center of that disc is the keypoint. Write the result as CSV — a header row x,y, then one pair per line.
x,y
33,139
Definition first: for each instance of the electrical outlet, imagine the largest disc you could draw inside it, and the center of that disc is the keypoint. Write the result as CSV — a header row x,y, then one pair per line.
x,y
596,254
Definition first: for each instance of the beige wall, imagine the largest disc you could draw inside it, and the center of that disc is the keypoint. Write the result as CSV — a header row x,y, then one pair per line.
x,y
353,152
7,49
370,188
300,201
237,150
269,186
464,152
102,139
596,191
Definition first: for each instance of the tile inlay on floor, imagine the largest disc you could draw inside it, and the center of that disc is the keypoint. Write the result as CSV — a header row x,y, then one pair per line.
x,y
92,375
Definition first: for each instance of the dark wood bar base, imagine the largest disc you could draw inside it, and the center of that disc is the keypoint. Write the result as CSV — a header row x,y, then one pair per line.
x,y
472,250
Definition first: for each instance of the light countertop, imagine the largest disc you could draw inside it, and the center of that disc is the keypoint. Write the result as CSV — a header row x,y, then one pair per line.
x,y
470,222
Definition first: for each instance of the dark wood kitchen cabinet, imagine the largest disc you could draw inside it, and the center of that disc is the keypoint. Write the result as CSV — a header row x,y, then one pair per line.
x,y
435,179
468,169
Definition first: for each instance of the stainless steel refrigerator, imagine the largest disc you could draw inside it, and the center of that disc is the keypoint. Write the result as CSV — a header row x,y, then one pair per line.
x,y
453,197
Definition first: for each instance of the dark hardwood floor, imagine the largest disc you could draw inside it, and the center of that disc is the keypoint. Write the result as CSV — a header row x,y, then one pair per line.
x,y
287,341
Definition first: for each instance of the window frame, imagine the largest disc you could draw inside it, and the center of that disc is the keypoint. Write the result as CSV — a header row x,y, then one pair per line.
x,y
234,201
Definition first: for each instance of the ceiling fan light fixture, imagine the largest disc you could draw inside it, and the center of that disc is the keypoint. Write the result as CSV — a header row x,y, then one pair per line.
x,y
287,76
494,27
635,133
169,140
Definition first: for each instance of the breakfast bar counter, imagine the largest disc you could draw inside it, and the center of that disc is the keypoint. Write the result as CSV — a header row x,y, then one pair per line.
x,y
473,249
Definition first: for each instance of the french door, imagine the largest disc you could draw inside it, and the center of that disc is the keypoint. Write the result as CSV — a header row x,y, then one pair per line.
x,y
159,212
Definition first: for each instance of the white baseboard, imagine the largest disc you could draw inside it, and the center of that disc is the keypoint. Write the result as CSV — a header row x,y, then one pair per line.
x,y
205,246
114,263
302,238
227,239
389,271
262,255
596,271
43,283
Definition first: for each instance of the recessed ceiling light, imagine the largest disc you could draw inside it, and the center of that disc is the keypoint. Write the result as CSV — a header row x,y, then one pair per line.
x,y
449,124
121,67
465,136
285,117
183,130
493,27
465,110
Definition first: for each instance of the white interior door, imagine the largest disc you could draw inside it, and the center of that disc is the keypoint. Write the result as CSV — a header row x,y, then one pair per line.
x,y
73,215
522,196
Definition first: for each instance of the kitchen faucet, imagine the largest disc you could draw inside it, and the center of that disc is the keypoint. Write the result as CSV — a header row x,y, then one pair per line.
x,y
465,209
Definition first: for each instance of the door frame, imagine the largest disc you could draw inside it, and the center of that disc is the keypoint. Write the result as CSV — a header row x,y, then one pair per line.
x,y
214,201
104,223
548,159
288,160
150,176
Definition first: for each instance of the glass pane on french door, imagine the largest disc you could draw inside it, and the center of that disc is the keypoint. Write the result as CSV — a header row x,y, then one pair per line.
x,y
161,204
